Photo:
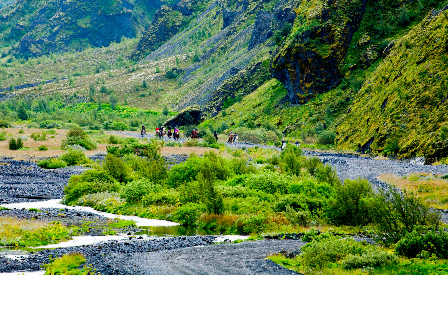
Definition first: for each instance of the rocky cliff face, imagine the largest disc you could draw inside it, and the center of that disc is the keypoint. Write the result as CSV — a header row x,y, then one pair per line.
x,y
43,27
309,61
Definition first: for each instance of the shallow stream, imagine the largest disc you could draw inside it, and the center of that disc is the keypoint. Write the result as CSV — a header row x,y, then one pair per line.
x,y
148,229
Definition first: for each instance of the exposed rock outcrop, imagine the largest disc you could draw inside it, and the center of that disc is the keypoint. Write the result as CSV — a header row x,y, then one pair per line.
x,y
308,62
188,116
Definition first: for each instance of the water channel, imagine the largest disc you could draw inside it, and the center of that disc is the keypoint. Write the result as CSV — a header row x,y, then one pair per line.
x,y
148,229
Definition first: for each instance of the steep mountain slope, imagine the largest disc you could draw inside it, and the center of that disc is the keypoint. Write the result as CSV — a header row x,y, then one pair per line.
x,y
42,27
403,106
227,37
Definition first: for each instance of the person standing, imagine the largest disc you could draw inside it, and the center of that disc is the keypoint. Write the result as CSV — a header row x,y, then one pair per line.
x,y
143,131
170,133
230,137
283,144
235,138
215,134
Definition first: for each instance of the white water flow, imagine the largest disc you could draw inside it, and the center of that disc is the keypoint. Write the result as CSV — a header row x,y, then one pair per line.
x,y
55,203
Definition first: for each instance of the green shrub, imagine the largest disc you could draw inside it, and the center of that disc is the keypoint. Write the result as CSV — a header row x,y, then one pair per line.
x,y
372,258
348,207
414,243
39,136
320,253
154,170
2,136
187,214
189,192
163,196
252,224
115,140
268,182
117,168
211,197
78,137
395,213
311,188
184,172
134,191
68,264
102,201
326,173
312,165
291,160
300,202
52,163
327,137
239,166
91,182
75,158
15,144
151,150
42,148
4,124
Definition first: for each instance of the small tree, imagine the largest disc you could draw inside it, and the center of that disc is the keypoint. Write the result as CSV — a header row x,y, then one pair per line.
x,y
113,101
22,113
165,111
210,196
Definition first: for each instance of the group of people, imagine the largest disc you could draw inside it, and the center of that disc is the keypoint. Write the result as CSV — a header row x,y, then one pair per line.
x,y
161,132
233,138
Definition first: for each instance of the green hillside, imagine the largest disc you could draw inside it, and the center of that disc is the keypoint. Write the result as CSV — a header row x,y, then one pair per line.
x,y
351,75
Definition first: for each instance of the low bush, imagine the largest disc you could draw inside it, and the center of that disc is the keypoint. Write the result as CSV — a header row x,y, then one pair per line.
x,y
300,202
75,158
15,144
2,136
102,201
187,214
4,124
184,172
42,148
117,168
371,258
395,213
115,140
134,191
53,233
191,143
415,243
163,196
52,163
39,136
347,206
154,170
327,138
91,182
78,136
320,253
268,182
68,264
